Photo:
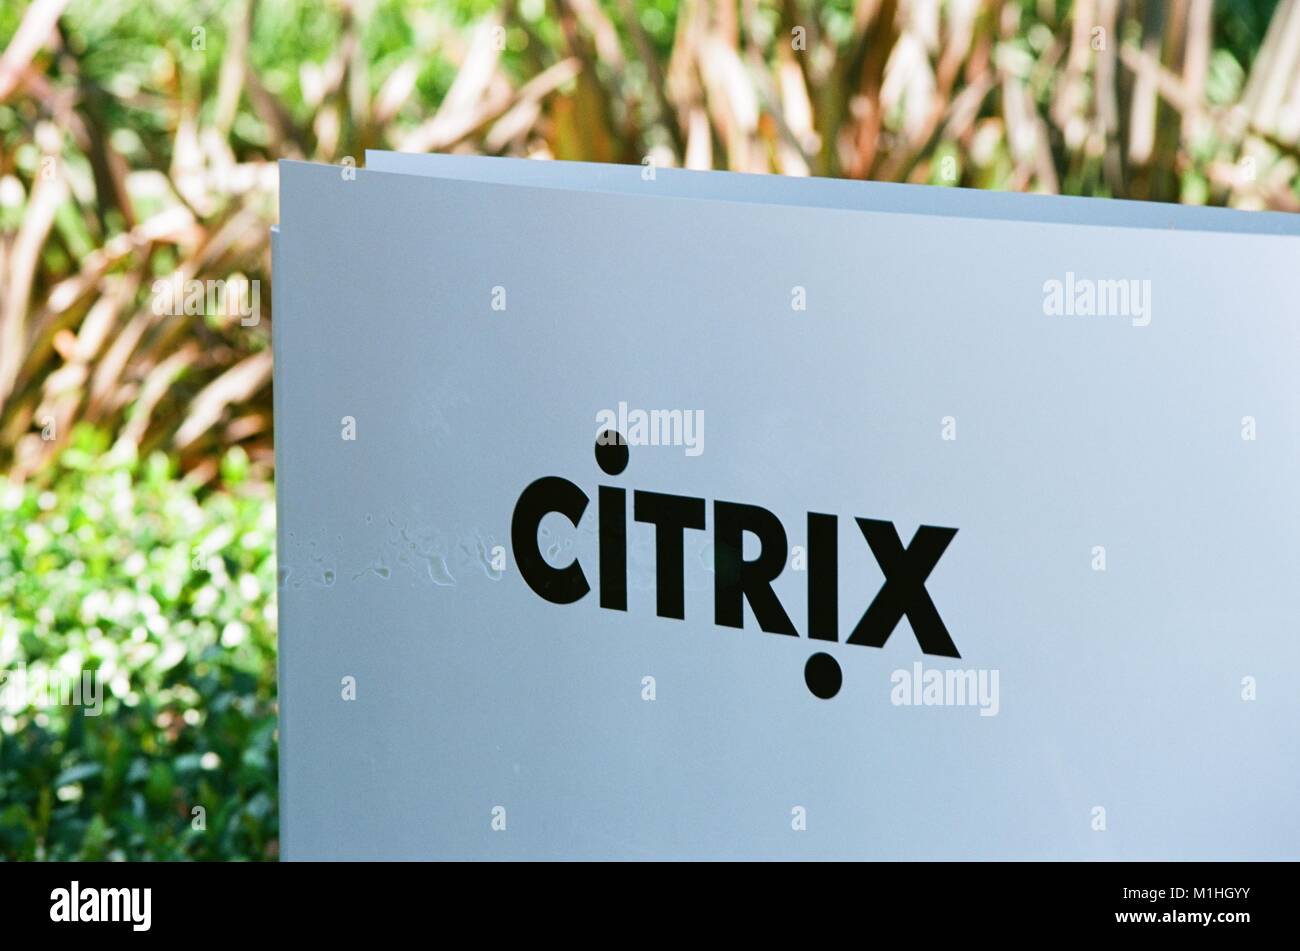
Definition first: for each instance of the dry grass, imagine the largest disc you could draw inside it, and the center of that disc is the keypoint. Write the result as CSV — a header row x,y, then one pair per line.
x,y
114,175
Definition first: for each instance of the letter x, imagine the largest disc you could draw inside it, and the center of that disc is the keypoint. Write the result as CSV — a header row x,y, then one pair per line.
x,y
904,590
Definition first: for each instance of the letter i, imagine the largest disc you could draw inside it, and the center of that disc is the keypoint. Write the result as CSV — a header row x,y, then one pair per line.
x,y
613,548
823,577
612,457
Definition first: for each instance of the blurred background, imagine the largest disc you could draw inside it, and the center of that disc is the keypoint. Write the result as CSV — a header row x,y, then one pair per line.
x,y
138,141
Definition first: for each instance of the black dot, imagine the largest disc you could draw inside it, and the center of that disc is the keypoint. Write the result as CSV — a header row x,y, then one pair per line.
x,y
611,452
823,676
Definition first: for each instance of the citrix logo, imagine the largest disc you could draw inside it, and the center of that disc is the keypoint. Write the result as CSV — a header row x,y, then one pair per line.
x,y
735,579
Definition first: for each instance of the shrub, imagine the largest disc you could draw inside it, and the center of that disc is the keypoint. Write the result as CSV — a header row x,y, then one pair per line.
x,y
168,597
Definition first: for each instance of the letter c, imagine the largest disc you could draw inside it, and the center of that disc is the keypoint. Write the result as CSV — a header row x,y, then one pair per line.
x,y
548,494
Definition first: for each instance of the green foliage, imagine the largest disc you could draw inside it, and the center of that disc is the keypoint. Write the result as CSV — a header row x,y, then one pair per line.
x,y
169,598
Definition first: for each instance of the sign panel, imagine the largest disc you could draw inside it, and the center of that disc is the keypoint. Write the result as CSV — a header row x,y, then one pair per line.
x,y
712,516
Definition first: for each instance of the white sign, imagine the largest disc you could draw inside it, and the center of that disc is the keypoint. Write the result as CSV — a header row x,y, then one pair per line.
x,y
723,516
